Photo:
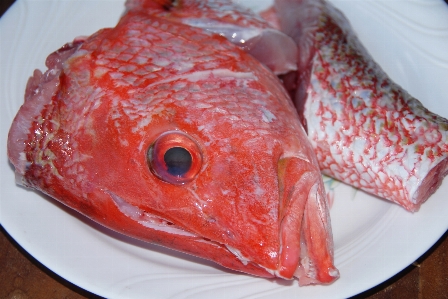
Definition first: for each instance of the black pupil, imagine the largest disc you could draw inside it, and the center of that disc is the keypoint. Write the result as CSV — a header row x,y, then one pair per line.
x,y
178,161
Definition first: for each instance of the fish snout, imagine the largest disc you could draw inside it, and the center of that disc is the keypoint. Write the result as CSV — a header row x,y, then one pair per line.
x,y
306,246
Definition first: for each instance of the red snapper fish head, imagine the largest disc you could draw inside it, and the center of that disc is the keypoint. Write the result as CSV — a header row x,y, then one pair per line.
x,y
173,136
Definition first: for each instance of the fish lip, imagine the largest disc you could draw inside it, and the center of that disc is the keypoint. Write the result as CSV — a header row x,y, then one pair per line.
x,y
289,202
306,243
317,263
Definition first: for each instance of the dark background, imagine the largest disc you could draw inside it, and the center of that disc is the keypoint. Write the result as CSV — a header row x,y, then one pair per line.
x,y
22,276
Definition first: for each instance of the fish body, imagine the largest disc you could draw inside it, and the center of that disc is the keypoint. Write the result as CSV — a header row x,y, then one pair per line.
x,y
175,136
366,130
238,24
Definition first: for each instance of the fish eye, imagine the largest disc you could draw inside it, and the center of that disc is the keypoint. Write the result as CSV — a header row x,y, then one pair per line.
x,y
175,158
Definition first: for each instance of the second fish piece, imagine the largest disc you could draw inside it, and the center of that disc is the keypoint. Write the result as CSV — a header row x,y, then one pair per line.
x,y
366,130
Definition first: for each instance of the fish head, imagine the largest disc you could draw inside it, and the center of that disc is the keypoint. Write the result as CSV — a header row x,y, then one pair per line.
x,y
189,143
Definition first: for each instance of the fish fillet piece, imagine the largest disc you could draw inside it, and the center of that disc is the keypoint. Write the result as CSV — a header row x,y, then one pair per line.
x,y
366,130
175,136
238,24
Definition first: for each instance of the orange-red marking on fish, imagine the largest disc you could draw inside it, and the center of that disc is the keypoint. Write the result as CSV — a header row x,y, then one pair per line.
x,y
365,129
175,136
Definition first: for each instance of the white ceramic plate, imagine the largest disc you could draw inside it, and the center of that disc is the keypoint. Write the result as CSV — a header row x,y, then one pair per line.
x,y
373,239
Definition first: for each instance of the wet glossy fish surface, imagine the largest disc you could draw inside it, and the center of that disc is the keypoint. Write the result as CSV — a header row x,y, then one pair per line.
x,y
366,130
238,24
173,135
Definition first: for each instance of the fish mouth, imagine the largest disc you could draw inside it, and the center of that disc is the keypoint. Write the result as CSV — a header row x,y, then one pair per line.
x,y
306,242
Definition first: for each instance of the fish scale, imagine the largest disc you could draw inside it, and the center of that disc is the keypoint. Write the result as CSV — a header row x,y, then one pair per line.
x,y
366,130
238,24
111,105
384,111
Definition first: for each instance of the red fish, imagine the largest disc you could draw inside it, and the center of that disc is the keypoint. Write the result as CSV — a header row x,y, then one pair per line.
x,y
366,130
175,136
238,24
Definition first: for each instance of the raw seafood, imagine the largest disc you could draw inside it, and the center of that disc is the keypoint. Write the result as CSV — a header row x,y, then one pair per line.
x,y
238,24
174,136
365,129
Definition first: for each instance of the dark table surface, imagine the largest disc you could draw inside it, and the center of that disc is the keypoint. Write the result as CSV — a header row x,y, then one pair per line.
x,y
22,277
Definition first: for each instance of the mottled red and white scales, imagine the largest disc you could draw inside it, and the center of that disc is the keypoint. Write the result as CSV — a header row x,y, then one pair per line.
x,y
175,136
366,130
170,134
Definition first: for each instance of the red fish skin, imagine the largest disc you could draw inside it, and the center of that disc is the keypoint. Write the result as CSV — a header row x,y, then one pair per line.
x,y
366,130
313,240
224,11
107,98
238,24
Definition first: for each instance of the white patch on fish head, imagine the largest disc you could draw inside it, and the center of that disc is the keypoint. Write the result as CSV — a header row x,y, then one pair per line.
x,y
268,116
